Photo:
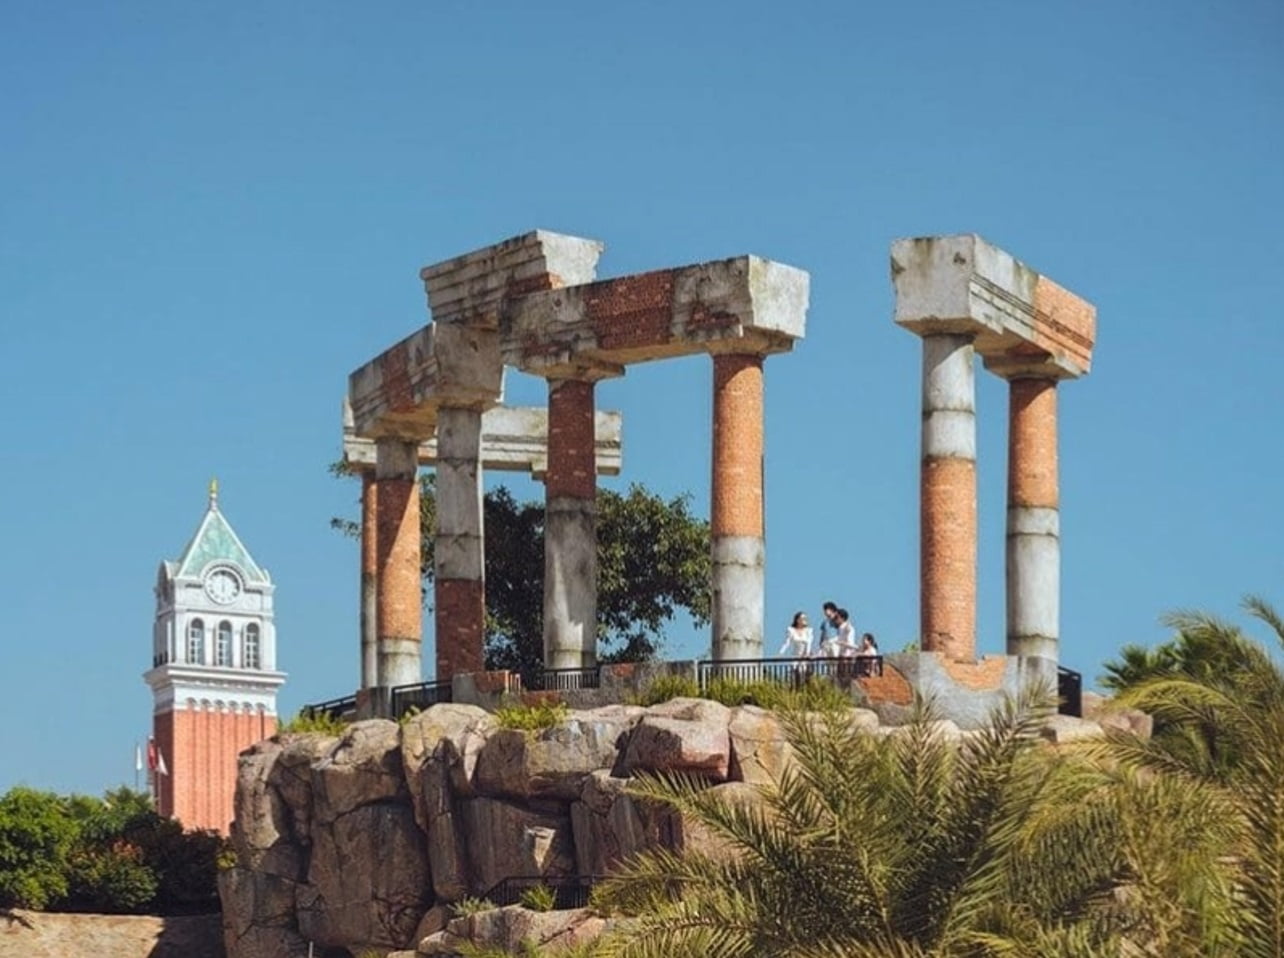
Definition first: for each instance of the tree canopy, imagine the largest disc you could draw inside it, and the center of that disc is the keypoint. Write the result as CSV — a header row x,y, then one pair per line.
x,y
653,564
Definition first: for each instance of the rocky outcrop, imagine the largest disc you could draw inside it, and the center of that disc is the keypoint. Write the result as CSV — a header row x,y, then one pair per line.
x,y
361,842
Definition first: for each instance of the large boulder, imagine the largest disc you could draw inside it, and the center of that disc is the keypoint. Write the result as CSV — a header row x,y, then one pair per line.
x,y
1064,729
610,825
505,840
368,883
516,930
759,752
553,763
270,831
681,735
363,768
258,915
439,752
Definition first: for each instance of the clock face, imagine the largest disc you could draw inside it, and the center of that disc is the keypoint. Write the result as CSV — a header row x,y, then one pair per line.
x,y
222,586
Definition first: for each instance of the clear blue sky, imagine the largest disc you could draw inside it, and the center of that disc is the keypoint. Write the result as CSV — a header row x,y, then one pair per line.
x,y
212,212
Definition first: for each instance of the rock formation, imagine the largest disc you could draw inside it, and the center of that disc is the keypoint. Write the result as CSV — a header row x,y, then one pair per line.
x,y
358,842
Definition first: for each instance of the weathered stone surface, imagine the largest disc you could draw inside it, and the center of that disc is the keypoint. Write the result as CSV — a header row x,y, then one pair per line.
x,y
44,934
759,752
609,825
291,779
1061,729
682,735
258,915
368,883
513,928
363,768
506,840
553,763
1129,721
261,829
440,748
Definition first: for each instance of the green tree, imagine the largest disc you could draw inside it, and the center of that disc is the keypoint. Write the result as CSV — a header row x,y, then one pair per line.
x,y
1223,735
653,564
914,845
36,834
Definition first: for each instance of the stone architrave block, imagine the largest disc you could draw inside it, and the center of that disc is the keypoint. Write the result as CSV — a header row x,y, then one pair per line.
x,y
473,288
746,301
514,439
397,394
962,284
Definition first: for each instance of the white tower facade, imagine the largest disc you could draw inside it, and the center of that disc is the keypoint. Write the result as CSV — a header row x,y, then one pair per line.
x,y
213,678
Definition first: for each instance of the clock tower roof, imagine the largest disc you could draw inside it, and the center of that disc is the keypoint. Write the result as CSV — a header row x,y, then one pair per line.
x,y
216,541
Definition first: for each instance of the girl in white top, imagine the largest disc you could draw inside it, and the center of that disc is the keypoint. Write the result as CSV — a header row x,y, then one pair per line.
x,y
797,638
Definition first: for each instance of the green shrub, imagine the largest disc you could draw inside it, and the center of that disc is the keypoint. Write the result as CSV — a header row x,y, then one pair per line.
x,y
811,695
470,906
666,687
109,880
36,834
316,722
539,898
532,718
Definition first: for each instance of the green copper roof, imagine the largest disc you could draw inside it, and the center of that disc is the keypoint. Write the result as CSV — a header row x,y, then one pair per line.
x,y
216,542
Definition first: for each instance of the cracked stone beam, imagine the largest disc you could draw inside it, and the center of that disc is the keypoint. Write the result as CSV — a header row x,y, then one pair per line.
x,y
438,381
738,311
961,294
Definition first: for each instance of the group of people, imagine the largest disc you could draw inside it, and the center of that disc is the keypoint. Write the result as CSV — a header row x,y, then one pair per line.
x,y
837,639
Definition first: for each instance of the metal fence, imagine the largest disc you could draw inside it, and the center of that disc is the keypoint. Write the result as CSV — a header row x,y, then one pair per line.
x,y
344,709
569,891
567,680
420,696
1069,692
789,671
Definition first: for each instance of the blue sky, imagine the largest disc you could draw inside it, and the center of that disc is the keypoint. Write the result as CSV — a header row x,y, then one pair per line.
x,y
213,212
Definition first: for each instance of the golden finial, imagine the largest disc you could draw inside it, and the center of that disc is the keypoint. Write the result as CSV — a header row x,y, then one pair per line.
x,y
213,491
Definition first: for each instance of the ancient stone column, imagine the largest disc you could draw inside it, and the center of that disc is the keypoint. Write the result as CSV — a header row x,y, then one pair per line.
x,y
737,506
399,603
947,522
1033,532
369,580
460,574
570,528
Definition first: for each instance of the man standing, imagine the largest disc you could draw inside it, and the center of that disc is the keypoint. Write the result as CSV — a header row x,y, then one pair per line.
x,y
828,630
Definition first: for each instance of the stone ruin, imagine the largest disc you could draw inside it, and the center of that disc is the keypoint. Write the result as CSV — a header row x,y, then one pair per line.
x,y
532,303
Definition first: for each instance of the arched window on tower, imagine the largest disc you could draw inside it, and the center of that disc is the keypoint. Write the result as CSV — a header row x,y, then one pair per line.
x,y
196,642
223,644
250,659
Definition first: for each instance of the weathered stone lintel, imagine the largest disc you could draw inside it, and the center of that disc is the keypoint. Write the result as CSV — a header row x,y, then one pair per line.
x,y
513,440
964,284
399,391
658,315
473,287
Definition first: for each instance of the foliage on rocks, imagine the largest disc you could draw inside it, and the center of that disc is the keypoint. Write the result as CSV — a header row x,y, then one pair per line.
x,y
532,718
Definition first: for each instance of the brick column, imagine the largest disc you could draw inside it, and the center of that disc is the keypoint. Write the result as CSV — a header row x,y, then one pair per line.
x,y
399,602
460,557
369,579
947,526
1033,534
737,506
570,528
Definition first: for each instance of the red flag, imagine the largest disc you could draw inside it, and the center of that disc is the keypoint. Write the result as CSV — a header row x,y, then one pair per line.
x,y
151,755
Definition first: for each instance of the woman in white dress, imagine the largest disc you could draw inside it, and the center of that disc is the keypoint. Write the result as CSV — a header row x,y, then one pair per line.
x,y
797,639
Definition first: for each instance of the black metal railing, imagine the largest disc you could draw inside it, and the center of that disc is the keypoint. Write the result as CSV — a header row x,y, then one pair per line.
x,y
567,680
1069,692
419,696
569,891
789,671
344,709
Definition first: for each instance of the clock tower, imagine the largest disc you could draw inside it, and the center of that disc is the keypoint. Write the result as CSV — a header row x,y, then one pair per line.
x,y
213,674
